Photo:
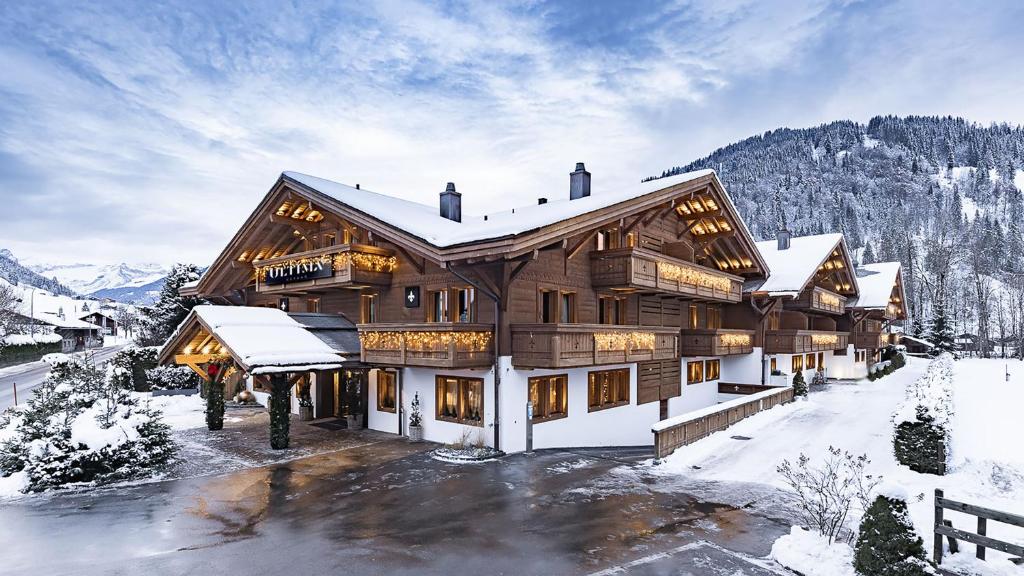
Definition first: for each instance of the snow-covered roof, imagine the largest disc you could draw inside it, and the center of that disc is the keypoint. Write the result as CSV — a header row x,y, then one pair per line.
x,y
264,338
792,268
875,282
102,312
425,221
69,323
916,339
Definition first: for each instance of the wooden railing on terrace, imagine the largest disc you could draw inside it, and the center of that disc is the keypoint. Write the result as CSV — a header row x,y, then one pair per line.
x,y
688,428
716,342
803,341
347,264
646,269
429,344
817,299
571,345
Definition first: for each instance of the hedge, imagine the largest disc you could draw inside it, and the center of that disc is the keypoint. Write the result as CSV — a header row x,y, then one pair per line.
x,y
22,353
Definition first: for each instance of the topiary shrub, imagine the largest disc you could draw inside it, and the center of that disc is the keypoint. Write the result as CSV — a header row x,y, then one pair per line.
x,y
130,367
872,376
887,544
899,360
887,370
173,378
280,411
921,445
799,384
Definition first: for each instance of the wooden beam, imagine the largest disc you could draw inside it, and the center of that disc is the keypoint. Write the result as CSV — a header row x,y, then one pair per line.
x,y
419,265
579,245
711,237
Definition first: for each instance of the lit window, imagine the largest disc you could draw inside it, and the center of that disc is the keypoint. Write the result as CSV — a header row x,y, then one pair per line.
x,y
466,302
460,400
798,363
774,365
611,310
607,389
694,372
714,318
693,317
810,361
386,396
549,395
313,305
368,308
821,360
438,310
712,369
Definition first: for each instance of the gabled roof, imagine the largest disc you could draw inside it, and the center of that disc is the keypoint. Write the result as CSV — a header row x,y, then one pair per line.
x,y
876,282
101,312
258,339
793,269
66,323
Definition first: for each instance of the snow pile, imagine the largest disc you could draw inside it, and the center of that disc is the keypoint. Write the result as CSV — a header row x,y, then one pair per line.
x,y
810,553
80,427
30,339
930,396
180,412
56,358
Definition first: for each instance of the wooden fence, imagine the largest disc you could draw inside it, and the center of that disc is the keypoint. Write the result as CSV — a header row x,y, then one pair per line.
x,y
688,428
945,528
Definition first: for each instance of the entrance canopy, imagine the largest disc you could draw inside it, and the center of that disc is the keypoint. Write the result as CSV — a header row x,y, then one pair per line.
x,y
258,340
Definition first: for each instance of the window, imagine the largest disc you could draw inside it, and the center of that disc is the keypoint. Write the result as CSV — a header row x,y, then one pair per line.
x,y
694,372
798,363
548,305
386,396
568,308
313,305
821,360
810,361
774,320
465,299
608,239
607,389
346,236
368,308
774,365
714,318
611,310
460,400
693,317
712,369
437,310
330,240
549,395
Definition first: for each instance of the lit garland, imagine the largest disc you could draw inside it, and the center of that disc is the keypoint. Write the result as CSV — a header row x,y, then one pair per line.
x,y
609,341
734,339
420,341
824,339
339,261
694,277
828,299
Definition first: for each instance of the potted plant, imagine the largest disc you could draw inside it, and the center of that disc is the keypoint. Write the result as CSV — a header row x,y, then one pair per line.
x,y
416,420
305,408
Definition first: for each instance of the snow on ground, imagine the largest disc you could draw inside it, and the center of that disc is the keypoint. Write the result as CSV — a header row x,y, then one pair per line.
x,y
180,412
986,465
809,553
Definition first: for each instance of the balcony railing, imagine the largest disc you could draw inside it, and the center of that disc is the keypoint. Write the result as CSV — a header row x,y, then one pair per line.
x,y
639,268
343,265
716,342
817,299
572,345
430,344
803,341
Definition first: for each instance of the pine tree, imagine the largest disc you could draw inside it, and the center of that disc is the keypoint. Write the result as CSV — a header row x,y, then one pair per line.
x,y
940,331
869,255
887,544
171,307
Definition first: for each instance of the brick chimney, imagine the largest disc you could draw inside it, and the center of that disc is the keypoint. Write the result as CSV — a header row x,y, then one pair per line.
x,y
451,203
579,182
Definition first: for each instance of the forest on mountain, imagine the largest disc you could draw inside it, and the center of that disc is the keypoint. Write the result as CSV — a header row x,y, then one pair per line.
x,y
15,273
940,194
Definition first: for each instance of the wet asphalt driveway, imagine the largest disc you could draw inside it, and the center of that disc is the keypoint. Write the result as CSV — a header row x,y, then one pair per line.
x,y
383,506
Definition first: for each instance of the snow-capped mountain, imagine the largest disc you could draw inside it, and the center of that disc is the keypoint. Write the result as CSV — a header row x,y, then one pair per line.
x,y
92,278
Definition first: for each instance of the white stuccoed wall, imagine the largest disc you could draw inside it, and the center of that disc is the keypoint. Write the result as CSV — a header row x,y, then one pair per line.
x,y
847,366
743,368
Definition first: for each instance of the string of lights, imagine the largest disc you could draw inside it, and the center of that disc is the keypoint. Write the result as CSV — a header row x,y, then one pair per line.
x,y
693,276
423,341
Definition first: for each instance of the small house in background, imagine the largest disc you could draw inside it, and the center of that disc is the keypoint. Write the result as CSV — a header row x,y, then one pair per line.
x,y
104,318
914,344
966,343
76,334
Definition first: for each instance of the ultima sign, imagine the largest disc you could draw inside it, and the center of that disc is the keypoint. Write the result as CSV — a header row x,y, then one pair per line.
x,y
297,271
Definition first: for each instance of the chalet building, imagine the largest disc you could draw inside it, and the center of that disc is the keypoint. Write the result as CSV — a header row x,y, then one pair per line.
x,y
872,314
804,302
607,311
103,318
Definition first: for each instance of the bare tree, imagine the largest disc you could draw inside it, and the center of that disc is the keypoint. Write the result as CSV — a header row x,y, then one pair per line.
x,y
8,309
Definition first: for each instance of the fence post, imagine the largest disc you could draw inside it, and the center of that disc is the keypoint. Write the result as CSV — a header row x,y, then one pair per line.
x,y
982,525
938,522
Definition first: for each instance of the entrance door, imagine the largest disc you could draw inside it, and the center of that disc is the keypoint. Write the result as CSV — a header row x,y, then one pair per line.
x,y
325,395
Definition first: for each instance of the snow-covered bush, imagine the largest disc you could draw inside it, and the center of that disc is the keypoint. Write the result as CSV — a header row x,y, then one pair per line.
x,y
922,421
887,544
172,378
80,426
799,384
827,493
130,367
19,348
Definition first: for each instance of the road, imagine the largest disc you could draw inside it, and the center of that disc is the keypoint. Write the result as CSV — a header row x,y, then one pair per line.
x,y
383,506
33,374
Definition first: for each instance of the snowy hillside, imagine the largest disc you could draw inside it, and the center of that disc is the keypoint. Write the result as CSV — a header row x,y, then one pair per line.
x,y
15,272
91,278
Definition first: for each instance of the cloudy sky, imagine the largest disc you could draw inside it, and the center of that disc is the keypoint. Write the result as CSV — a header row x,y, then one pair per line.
x,y
144,132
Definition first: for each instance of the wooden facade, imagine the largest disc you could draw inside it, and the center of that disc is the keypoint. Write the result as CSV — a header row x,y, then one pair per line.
x,y
804,341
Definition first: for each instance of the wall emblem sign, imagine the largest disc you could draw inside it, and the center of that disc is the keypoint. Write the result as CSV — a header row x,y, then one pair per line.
x,y
412,296
297,271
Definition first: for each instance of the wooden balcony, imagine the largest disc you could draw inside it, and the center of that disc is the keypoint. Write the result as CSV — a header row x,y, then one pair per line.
x,y
430,344
720,342
818,300
642,269
866,340
573,345
346,265
803,341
